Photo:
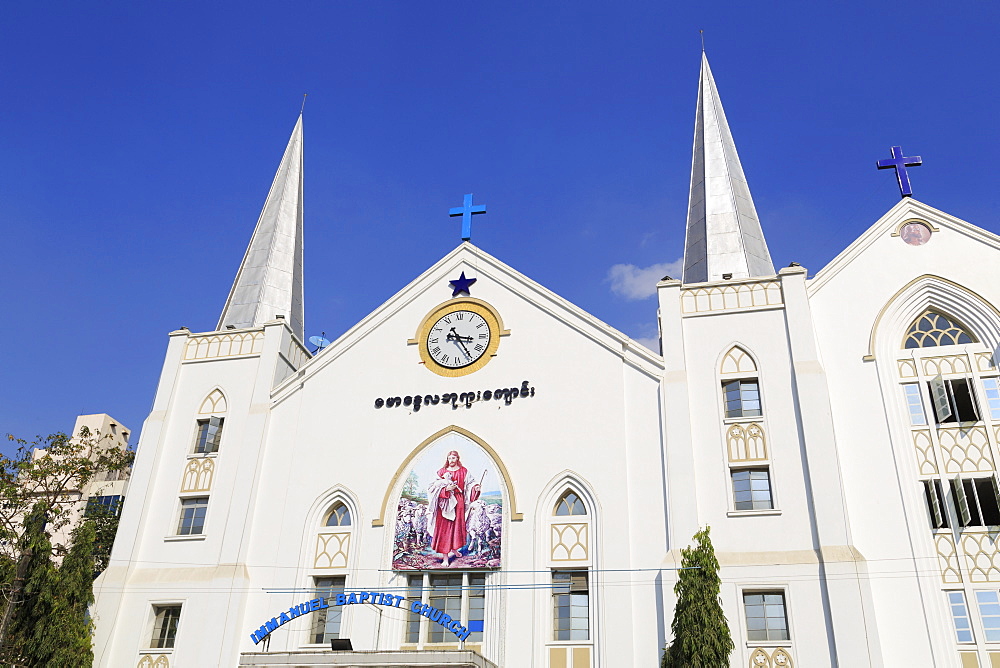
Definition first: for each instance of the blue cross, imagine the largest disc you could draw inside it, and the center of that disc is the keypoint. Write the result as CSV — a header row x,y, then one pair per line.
x,y
899,163
466,211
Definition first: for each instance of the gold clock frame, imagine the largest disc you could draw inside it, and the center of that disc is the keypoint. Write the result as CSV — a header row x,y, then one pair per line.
x,y
477,306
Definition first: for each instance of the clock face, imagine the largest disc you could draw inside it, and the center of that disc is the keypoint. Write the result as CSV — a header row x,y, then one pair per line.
x,y
458,338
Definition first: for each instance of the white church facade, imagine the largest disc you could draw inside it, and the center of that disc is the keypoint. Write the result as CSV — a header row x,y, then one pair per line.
x,y
513,486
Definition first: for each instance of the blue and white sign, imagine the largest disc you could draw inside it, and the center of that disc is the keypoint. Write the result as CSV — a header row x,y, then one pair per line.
x,y
372,597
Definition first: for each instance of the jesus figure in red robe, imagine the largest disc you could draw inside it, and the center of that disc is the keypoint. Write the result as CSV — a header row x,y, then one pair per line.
x,y
447,517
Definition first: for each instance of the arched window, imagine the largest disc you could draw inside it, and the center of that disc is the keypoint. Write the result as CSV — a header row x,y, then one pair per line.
x,y
571,536
340,516
208,429
570,504
934,329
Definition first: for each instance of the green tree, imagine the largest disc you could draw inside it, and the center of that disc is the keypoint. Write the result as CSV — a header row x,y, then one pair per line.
x,y
410,490
39,495
105,523
31,592
701,632
62,639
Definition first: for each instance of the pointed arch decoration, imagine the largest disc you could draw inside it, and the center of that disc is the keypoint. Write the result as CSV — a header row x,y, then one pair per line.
x,y
339,515
405,466
331,546
933,328
214,403
571,535
569,504
737,361
978,315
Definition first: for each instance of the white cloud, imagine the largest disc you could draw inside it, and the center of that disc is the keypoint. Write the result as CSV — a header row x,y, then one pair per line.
x,y
633,283
651,343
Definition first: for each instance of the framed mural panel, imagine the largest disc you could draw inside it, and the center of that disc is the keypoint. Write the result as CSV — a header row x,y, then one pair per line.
x,y
450,509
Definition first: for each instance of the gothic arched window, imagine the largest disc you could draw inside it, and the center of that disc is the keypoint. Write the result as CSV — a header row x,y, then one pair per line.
x,y
570,504
934,329
340,516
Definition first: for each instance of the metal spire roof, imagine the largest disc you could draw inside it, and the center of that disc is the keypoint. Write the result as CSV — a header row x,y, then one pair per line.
x,y
269,282
723,232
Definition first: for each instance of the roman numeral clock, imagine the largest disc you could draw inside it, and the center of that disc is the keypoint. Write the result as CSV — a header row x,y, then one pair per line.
x,y
459,336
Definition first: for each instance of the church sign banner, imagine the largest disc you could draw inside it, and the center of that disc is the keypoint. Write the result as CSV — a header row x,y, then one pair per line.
x,y
352,598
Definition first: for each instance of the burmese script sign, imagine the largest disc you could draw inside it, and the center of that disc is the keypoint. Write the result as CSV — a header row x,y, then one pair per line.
x,y
372,597
455,399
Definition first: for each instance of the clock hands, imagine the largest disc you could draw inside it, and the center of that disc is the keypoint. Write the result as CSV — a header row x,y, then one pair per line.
x,y
458,338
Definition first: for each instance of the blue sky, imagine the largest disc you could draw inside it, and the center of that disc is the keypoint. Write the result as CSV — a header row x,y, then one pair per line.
x,y
138,142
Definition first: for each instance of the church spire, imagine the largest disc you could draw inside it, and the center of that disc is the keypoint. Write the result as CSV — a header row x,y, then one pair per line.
x,y
269,282
723,232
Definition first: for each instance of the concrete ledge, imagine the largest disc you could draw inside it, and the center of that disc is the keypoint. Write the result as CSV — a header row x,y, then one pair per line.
x,y
403,659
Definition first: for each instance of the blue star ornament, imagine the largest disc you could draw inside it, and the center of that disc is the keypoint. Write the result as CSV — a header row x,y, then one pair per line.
x,y
461,285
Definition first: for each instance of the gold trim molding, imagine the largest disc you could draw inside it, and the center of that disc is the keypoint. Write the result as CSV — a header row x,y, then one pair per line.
x,y
878,319
514,515
926,223
477,306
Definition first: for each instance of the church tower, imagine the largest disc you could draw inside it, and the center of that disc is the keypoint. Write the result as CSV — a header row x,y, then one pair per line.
x,y
269,281
724,239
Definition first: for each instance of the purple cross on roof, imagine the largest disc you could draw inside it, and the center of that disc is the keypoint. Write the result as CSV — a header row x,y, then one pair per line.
x,y
899,163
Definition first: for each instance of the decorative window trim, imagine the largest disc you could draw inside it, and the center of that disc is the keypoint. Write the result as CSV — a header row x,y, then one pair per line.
x,y
920,221
753,513
315,531
339,503
946,337
578,502
180,539
925,292
735,357
580,530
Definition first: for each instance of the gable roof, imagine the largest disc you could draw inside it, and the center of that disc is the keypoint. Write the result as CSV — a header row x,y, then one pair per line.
x,y
904,210
606,336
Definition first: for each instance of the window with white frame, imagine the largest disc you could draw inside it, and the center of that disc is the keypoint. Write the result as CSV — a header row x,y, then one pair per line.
x,y
766,616
742,398
192,517
165,619
914,405
414,592
992,397
934,496
326,622
209,435
460,595
977,501
960,616
954,400
752,489
570,605
989,614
